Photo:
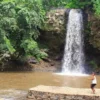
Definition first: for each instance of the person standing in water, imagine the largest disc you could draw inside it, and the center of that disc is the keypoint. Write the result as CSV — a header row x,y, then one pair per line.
x,y
93,83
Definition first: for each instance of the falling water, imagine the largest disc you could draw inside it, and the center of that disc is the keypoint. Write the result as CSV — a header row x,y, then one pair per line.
x,y
73,60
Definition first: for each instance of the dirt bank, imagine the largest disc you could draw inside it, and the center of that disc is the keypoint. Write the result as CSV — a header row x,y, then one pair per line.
x,y
51,66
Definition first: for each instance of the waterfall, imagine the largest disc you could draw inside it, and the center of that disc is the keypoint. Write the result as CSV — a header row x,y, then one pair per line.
x,y
73,60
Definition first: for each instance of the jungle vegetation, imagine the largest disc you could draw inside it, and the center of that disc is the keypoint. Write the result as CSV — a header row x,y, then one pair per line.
x,y
21,20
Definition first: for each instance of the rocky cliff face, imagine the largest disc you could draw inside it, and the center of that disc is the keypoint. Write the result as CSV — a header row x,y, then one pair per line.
x,y
94,37
55,21
53,33
54,29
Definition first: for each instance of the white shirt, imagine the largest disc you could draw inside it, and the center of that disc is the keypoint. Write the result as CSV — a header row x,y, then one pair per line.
x,y
94,81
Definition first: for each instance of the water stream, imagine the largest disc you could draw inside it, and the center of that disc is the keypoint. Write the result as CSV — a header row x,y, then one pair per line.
x,y
73,61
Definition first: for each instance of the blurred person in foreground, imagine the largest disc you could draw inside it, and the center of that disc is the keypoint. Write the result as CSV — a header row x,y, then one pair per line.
x,y
94,82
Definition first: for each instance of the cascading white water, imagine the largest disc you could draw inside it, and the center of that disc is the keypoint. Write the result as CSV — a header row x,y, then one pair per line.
x,y
73,60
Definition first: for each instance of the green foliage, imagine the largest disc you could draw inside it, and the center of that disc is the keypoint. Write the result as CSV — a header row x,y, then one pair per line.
x,y
9,46
77,4
48,4
94,65
66,3
31,48
96,4
20,21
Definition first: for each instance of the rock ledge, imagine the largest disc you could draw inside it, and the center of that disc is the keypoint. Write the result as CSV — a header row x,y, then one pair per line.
x,y
61,93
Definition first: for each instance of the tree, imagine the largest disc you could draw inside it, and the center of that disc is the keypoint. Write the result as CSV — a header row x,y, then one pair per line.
x,y
20,21
96,5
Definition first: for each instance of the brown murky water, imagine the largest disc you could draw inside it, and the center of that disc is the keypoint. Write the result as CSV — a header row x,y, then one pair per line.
x,y
26,80
16,84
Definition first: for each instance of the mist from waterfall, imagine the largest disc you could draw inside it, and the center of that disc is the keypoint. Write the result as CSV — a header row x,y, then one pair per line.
x,y
73,60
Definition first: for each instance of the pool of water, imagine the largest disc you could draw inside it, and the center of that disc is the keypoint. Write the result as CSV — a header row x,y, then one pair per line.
x,y
14,85
12,94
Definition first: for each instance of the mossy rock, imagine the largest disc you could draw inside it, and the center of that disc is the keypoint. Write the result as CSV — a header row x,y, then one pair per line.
x,y
55,21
